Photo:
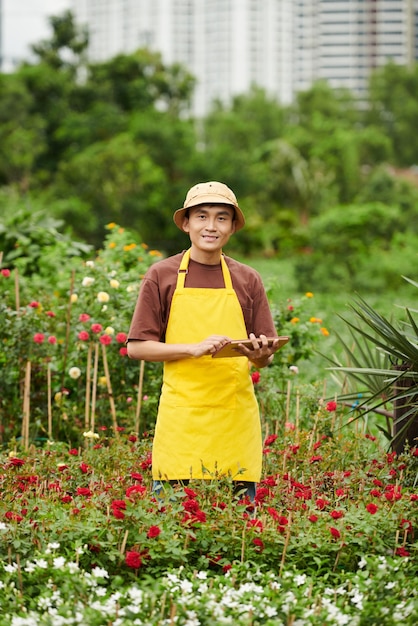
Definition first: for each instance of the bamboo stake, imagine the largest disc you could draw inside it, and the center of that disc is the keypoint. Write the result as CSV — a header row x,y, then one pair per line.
x,y
288,396
48,372
26,406
109,390
94,389
125,539
297,417
67,328
17,294
139,397
286,543
88,388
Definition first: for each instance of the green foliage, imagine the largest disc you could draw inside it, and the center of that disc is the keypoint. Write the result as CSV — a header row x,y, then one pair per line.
x,y
358,243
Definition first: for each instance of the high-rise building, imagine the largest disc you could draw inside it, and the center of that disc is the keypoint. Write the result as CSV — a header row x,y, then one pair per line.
x,y
280,45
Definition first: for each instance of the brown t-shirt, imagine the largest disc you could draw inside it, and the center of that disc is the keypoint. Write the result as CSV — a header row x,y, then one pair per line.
x,y
149,321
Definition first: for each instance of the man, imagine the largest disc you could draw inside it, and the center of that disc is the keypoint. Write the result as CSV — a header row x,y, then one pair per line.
x,y
189,306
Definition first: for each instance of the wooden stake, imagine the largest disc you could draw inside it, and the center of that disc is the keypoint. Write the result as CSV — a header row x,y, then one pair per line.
x,y
48,372
139,397
17,294
109,390
286,543
94,388
67,328
88,388
26,407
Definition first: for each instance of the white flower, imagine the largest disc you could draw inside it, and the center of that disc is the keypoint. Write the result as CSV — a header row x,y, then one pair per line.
x,y
131,288
87,281
114,283
362,563
3,526
300,579
103,296
99,572
54,546
90,435
59,562
109,330
10,569
294,369
74,372
89,263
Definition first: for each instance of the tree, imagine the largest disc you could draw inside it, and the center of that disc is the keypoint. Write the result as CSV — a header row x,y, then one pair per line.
x,y
394,109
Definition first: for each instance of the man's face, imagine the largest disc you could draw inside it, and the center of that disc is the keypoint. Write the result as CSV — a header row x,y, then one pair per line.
x,y
210,226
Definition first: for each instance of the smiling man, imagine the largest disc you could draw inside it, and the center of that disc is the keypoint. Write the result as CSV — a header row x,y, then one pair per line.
x,y
189,306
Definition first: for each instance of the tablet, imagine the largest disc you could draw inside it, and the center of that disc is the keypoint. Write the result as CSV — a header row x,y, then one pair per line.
x,y
230,349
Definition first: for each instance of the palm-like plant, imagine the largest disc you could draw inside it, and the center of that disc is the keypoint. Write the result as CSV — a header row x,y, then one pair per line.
x,y
383,363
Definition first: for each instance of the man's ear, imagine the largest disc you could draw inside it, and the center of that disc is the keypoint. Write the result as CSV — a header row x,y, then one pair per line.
x,y
185,226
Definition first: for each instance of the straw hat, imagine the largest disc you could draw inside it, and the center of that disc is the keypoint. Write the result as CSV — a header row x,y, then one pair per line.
x,y
209,193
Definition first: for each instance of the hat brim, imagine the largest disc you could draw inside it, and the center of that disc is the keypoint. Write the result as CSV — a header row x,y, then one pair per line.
x,y
180,214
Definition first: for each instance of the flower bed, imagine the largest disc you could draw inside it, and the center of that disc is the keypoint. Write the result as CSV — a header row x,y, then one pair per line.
x,y
329,538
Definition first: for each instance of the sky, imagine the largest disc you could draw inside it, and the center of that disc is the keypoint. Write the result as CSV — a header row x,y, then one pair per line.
x,y
24,22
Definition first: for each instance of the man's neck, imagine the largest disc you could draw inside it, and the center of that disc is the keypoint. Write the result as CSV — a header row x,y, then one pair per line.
x,y
206,258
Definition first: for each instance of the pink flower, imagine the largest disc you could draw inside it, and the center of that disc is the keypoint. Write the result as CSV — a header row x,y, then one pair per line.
x,y
83,335
105,340
83,317
5,273
50,314
123,351
121,337
34,304
96,328
52,339
39,338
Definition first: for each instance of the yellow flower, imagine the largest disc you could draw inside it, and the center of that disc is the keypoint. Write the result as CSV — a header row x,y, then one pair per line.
x,y
294,320
102,381
111,225
309,294
112,245
325,332
155,253
102,296
114,283
121,230
144,245
315,320
109,330
73,297
129,247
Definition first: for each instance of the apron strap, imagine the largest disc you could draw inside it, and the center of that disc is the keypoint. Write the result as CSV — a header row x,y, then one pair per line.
x,y
183,269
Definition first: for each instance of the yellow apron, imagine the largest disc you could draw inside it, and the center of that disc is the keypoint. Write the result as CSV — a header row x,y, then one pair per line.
x,y
208,422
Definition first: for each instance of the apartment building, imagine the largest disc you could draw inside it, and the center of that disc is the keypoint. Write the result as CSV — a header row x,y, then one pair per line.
x,y
280,45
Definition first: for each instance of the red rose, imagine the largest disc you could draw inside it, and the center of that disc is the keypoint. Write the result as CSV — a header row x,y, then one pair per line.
x,y
133,559
105,340
153,531
255,377
83,335
331,406
121,337
39,337
335,532
371,508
